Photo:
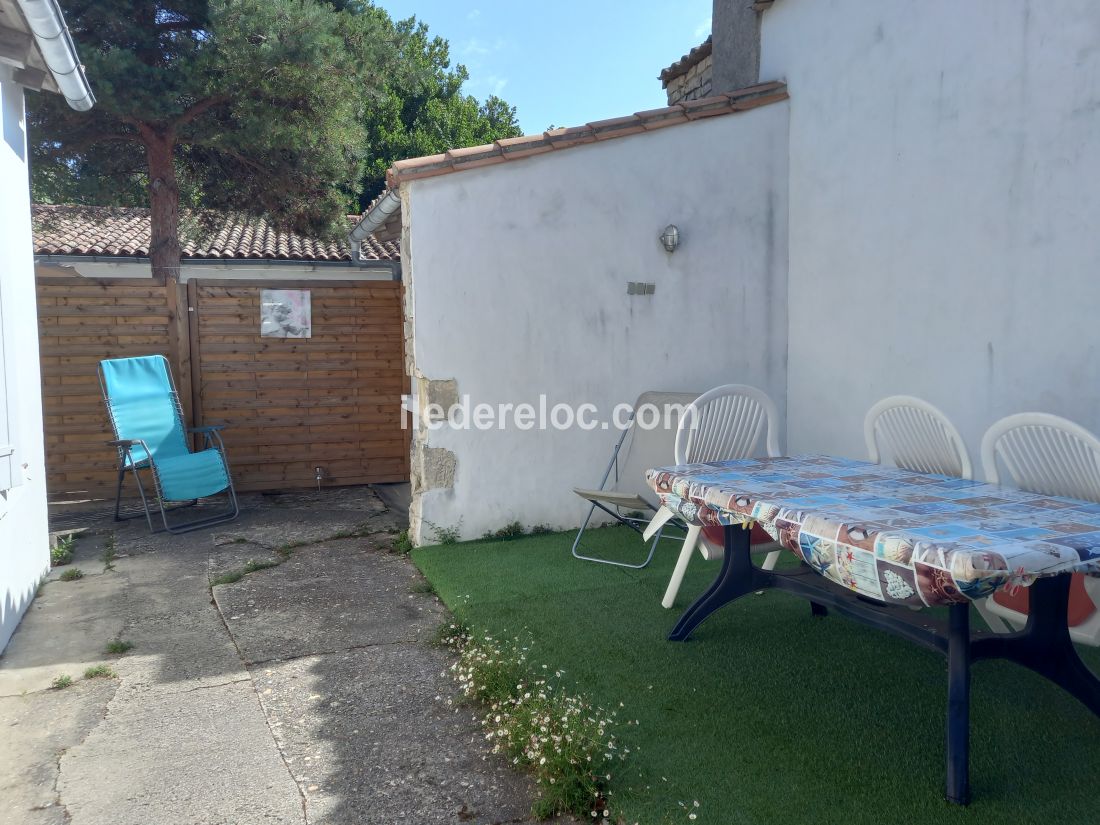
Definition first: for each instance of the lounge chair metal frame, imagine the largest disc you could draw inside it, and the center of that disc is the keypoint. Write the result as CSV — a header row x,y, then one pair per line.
x,y
628,503
633,522
211,440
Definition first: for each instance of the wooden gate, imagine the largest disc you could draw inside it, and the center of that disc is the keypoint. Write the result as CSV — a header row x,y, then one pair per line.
x,y
290,406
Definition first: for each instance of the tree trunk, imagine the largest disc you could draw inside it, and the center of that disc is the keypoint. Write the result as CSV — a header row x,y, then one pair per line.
x,y
164,205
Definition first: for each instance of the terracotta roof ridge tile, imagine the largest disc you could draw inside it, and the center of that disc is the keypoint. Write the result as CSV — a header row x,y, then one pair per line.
x,y
524,145
506,149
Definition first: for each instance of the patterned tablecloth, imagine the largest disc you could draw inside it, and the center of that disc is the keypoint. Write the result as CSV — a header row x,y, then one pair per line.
x,y
890,534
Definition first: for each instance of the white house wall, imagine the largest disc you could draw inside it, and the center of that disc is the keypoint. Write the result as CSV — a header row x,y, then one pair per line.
x,y
24,538
517,286
944,160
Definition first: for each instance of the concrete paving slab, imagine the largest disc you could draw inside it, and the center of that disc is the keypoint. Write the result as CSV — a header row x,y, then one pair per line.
x,y
339,725
66,627
369,738
202,757
327,597
36,729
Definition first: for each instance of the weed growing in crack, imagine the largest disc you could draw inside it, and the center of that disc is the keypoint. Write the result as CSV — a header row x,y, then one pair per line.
x,y
72,574
119,646
402,543
62,553
61,682
110,552
251,566
100,672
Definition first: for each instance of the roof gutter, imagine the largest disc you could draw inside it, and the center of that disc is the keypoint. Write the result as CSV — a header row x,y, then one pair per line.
x,y
47,25
374,220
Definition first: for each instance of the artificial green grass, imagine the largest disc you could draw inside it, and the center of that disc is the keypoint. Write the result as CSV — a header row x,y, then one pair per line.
x,y
767,715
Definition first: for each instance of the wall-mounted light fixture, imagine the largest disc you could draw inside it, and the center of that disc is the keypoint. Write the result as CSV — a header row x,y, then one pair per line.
x,y
670,238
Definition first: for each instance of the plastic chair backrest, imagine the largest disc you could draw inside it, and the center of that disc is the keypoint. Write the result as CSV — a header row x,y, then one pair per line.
x,y
917,436
1045,454
727,423
649,446
143,404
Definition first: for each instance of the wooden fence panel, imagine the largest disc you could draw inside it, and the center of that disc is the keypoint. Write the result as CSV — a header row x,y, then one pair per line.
x,y
289,405
81,322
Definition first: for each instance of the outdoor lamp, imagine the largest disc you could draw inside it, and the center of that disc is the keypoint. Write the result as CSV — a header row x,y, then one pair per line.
x,y
670,238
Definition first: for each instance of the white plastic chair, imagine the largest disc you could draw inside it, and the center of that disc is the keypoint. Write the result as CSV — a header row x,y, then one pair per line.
x,y
917,436
723,424
1047,454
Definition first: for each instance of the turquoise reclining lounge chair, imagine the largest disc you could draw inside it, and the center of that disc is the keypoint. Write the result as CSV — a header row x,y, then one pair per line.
x,y
145,413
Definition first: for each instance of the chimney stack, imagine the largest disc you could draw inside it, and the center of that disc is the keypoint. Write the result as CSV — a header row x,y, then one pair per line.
x,y
735,29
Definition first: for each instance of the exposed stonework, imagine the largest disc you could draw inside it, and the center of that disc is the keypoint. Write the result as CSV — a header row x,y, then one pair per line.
x,y
697,82
437,468
726,61
437,397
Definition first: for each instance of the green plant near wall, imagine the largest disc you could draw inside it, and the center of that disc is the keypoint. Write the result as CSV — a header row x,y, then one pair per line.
x,y
62,552
512,530
402,543
567,743
445,535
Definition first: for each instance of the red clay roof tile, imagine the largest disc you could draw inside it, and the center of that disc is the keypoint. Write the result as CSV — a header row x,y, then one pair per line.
x,y
684,64
107,231
508,149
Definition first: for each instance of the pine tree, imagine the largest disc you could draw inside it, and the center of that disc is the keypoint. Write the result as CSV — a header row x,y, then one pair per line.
x,y
252,105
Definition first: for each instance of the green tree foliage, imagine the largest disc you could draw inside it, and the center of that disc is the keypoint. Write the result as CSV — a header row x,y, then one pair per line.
x,y
256,105
422,110
290,109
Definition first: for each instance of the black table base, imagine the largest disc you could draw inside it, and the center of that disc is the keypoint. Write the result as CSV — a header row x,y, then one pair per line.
x,y
1043,645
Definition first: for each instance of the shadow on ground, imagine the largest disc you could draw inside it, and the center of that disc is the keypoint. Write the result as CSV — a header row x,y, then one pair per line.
x,y
306,691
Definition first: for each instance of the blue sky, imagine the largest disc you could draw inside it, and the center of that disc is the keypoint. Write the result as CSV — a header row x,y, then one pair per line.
x,y
566,62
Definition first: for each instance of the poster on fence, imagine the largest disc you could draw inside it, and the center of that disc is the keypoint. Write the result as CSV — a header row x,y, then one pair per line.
x,y
285,313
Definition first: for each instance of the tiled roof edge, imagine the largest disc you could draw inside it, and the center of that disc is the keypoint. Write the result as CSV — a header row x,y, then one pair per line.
x,y
508,149
684,64
84,222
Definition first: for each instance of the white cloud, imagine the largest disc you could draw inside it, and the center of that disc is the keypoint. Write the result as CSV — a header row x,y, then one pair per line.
x,y
495,83
474,48
703,29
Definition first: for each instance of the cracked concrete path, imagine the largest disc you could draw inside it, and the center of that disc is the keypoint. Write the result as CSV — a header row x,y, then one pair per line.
x,y
303,693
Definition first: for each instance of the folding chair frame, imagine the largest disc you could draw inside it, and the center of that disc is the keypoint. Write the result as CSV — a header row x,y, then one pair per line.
x,y
211,440
638,525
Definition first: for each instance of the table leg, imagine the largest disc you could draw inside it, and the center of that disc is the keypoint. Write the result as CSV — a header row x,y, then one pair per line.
x,y
735,579
1044,645
958,705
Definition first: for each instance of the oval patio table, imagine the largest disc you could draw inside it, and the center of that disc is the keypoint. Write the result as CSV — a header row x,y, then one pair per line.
x,y
880,538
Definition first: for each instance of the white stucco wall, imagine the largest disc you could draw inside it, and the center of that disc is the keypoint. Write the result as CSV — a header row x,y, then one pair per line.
x,y
944,158
24,541
517,285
